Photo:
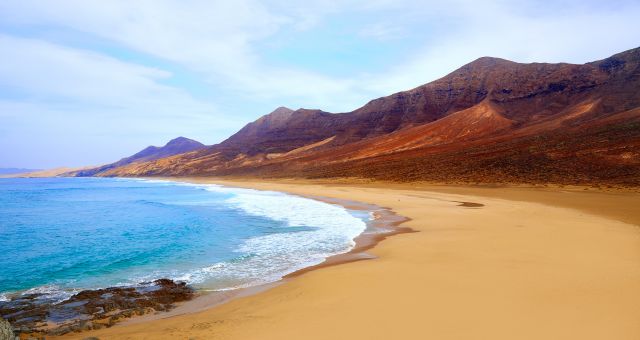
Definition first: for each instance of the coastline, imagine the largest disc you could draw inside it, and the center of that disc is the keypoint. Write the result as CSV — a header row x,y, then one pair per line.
x,y
380,224
386,224
466,275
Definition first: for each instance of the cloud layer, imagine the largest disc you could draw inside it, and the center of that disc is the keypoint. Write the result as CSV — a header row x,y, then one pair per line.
x,y
87,82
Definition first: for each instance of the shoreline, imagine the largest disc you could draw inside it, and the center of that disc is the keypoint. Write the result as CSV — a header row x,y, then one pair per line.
x,y
468,266
385,224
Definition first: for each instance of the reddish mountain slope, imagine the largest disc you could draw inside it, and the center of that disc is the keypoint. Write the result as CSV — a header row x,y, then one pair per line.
x,y
492,120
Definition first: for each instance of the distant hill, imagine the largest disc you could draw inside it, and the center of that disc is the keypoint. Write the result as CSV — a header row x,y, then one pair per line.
x,y
11,171
53,172
173,147
492,120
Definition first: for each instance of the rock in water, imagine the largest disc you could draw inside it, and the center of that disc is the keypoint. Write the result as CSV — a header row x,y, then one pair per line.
x,y
6,331
33,314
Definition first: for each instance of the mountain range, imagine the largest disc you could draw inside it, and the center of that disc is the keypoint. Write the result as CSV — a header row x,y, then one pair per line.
x,y
173,147
492,120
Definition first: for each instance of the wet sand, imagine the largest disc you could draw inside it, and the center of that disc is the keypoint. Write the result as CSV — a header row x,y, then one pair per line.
x,y
485,263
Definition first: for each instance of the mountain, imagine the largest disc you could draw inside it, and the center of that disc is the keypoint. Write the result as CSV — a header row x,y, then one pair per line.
x,y
492,120
173,147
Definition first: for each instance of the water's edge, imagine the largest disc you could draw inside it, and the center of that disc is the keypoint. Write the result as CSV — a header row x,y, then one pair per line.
x,y
384,223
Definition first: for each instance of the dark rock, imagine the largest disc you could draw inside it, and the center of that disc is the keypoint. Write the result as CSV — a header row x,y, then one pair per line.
x,y
93,309
556,87
612,63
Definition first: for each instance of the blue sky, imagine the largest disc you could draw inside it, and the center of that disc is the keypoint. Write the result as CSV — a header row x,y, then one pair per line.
x,y
88,82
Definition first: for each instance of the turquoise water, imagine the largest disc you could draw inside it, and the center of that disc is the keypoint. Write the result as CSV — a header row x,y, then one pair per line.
x,y
60,235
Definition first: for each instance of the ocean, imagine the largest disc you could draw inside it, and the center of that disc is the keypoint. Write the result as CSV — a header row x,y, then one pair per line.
x,y
62,235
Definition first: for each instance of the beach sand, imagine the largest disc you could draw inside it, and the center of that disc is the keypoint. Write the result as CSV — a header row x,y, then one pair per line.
x,y
510,263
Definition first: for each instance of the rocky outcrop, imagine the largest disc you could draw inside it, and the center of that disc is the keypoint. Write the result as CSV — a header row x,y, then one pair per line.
x,y
33,314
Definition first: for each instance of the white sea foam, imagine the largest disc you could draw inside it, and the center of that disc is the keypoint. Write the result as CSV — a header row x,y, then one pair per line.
x,y
319,230
327,230
330,230
51,292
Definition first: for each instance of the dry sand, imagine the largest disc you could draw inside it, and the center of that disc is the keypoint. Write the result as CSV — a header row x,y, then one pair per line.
x,y
512,269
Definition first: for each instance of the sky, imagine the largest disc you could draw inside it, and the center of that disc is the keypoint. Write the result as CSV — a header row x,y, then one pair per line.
x,y
88,82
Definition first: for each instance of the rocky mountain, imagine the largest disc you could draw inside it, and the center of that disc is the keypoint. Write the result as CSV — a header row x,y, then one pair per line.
x,y
173,147
492,120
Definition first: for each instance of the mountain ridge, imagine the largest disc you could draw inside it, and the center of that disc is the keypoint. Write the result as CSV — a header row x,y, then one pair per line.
x,y
489,102
173,147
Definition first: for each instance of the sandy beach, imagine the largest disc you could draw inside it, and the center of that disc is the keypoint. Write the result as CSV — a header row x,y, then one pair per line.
x,y
484,263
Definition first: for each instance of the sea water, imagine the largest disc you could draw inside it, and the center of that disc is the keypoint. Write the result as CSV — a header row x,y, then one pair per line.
x,y
62,235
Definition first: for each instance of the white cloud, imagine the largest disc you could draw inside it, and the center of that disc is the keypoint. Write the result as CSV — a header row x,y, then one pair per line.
x,y
63,101
498,29
219,38
66,69
382,31
214,38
